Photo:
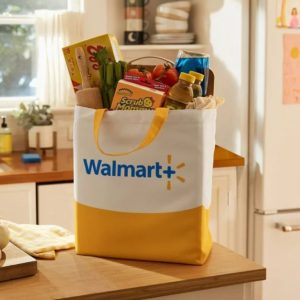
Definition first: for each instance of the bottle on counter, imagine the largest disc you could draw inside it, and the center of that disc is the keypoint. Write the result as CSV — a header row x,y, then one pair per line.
x,y
197,89
5,137
181,93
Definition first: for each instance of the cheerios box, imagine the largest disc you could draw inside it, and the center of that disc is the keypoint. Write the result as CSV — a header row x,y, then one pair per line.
x,y
80,58
131,96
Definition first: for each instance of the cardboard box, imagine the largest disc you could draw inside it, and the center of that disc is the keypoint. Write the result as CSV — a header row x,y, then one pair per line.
x,y
89,47
131,96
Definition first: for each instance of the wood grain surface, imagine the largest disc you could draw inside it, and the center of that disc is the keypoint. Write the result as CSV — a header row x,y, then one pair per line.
x,y
71,276
51,168
60,166
15,263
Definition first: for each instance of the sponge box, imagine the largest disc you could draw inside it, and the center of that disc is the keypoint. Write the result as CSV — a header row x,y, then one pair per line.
x,y
88,48
131,96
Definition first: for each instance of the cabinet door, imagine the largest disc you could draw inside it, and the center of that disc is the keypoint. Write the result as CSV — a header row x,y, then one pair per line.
x,y
56,205
278,251
17,203
223,210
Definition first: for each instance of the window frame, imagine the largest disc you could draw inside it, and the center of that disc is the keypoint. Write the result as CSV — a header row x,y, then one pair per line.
x,y
7,102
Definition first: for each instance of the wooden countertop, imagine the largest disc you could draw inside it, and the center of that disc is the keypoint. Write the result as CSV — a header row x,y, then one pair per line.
x,y
85,277
56,168
60,167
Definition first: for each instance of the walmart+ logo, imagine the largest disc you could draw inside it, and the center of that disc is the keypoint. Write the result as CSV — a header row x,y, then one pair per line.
x,y
114,169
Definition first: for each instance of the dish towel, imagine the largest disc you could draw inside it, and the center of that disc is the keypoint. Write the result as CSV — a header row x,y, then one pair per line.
x,y
40,241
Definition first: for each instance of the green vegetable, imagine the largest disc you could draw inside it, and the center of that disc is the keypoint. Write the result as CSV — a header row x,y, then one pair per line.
x,y
110,73
111,93
110,78
118,71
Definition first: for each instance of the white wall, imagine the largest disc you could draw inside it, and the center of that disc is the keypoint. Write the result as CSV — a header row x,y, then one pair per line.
x,y
224,26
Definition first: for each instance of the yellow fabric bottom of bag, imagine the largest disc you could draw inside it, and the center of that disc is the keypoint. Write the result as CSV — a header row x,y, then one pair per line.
x,y
180,237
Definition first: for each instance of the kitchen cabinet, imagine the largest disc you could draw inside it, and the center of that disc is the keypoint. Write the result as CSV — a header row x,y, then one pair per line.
x,y
223,207
278,248
56,204
49,184
226,225
18,203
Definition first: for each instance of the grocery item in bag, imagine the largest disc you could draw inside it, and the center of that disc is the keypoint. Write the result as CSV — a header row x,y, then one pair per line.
x,y
197,89
131,96
181,93
90,48
187,61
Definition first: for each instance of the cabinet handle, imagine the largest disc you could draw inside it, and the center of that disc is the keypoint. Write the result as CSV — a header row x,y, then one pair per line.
x,y
287,228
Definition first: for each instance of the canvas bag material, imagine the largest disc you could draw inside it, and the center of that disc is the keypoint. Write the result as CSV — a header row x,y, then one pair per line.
x,y
143,182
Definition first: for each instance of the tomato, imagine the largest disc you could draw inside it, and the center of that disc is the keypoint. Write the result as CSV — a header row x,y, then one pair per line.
x,y
140,72
165,74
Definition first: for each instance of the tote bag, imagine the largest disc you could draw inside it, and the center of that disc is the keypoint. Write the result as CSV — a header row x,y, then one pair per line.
x,y
143,182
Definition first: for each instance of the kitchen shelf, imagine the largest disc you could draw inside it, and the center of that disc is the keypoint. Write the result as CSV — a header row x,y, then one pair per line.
x,y
161,47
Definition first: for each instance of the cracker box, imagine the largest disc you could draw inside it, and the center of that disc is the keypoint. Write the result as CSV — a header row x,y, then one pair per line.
x,y
82,64
131,96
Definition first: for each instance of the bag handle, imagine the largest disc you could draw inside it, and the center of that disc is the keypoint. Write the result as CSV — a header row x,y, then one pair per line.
x,y
159,119
151,56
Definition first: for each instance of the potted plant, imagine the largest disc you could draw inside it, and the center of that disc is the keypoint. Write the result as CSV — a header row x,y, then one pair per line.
x,y
36,119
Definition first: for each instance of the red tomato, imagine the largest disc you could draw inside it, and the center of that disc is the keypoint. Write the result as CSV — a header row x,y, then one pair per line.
x,y
141,72
165,74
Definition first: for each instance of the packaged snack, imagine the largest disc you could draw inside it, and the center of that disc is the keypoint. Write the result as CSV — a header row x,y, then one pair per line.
x,y
131,96
150,83
90,47
187,61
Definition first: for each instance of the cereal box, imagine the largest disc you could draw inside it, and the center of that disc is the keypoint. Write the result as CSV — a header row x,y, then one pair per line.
x,y
87,49
131,96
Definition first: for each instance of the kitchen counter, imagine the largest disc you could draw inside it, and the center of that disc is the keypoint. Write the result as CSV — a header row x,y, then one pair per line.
x,y
60,167
85,277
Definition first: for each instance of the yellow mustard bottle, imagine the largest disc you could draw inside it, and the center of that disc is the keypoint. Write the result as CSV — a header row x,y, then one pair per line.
x,y
5,137
181,93
197,89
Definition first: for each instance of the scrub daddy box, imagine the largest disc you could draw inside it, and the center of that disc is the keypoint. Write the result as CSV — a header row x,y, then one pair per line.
x,y
82,64
131,96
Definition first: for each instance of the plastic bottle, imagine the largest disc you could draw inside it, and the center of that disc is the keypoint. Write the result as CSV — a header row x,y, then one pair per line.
x,y
5,137
197,89
181,93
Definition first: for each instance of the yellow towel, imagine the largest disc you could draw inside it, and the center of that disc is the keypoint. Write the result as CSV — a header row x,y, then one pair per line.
x,y
40,241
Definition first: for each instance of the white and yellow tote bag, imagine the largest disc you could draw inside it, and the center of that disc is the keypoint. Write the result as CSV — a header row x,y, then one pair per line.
x,y
143,182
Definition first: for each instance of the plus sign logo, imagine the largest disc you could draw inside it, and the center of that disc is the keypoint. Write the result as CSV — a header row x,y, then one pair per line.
x,y
170,172
113,168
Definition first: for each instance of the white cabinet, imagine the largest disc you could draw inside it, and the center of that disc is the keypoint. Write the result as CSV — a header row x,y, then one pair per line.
x,y
278,251
56,204
17,203
224,211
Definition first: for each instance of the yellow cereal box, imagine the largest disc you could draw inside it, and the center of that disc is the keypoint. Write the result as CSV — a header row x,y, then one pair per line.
x,y
131,96
82,65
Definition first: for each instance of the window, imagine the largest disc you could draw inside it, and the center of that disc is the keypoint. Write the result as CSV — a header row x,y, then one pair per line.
x,y
18,67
